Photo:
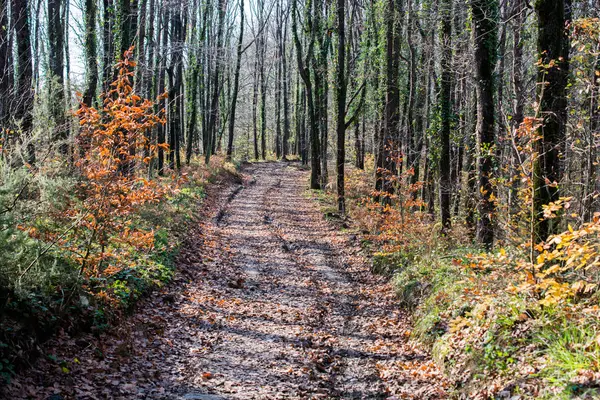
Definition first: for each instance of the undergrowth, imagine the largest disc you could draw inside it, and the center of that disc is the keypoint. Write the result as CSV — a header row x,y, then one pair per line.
x,y
53,294
82,242
498,323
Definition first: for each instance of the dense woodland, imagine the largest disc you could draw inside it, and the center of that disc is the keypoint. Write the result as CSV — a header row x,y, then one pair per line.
x,y
434,90
475,124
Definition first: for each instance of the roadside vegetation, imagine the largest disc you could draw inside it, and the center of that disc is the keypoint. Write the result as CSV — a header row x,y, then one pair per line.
x,y
81,244
499,323
473,128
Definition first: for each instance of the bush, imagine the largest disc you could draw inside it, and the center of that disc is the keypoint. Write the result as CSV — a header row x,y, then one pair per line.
x,y
75,247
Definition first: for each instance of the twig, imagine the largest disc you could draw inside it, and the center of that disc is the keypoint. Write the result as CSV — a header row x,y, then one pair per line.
x,y
43,252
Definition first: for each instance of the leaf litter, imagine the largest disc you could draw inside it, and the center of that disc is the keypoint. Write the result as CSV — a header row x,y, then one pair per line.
x,y
270,301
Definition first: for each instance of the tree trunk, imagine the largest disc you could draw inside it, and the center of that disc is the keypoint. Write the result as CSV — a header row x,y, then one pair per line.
x,y
175,72
255,105
286,102
91,54
519,13
24,85
341,105
411,146
193,102
471,193
56,88
389,139
6,68
140,48
278,85
304,72
263,97
485,18
236,84
214,107
107,43
552,81
446,110
125,27
161,134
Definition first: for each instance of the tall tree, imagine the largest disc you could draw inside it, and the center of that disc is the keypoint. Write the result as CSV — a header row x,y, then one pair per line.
x,y
445,111
214,105
278,79
56,95
140,49
321,31
91,54
163,42
175,77
108,42
262,76
255,102
485,19
285,87
126,24
6,70
304,61
552,78
387,146
236,83
196,65
24,85
341,89
518,87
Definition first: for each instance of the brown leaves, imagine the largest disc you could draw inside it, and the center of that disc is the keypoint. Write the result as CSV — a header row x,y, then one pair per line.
x,y
309,322
113,142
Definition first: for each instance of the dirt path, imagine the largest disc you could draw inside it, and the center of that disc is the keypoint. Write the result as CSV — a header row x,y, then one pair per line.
x,y
272,302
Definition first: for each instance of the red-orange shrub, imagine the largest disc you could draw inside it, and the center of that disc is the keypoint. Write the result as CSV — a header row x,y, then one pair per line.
x,y
113,144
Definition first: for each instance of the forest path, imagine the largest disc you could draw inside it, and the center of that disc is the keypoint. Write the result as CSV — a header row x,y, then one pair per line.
x,y
298,313
270,302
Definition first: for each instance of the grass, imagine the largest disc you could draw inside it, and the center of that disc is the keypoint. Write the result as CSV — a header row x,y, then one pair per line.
x,y
573,356
473,323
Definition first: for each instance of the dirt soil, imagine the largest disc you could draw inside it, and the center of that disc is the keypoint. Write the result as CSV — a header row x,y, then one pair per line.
x,y
270,301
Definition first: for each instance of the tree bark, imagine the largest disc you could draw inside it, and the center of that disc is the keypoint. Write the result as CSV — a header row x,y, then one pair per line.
x,y
193,103
56,88
236,84
341,105
304,72
214,107
6,68
255,104
389,139
485,18
286,102
108,56
24,85
140,48
175,72
91,53
446,111
161,132
552,45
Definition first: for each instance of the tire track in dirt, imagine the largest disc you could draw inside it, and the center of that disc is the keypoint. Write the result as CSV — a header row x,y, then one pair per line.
x,y
300,329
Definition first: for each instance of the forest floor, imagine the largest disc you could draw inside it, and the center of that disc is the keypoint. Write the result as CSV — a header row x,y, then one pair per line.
x,y
270,301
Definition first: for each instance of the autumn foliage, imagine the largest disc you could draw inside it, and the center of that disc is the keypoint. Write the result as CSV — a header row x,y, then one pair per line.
x,y
115,144
524,315
97,228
